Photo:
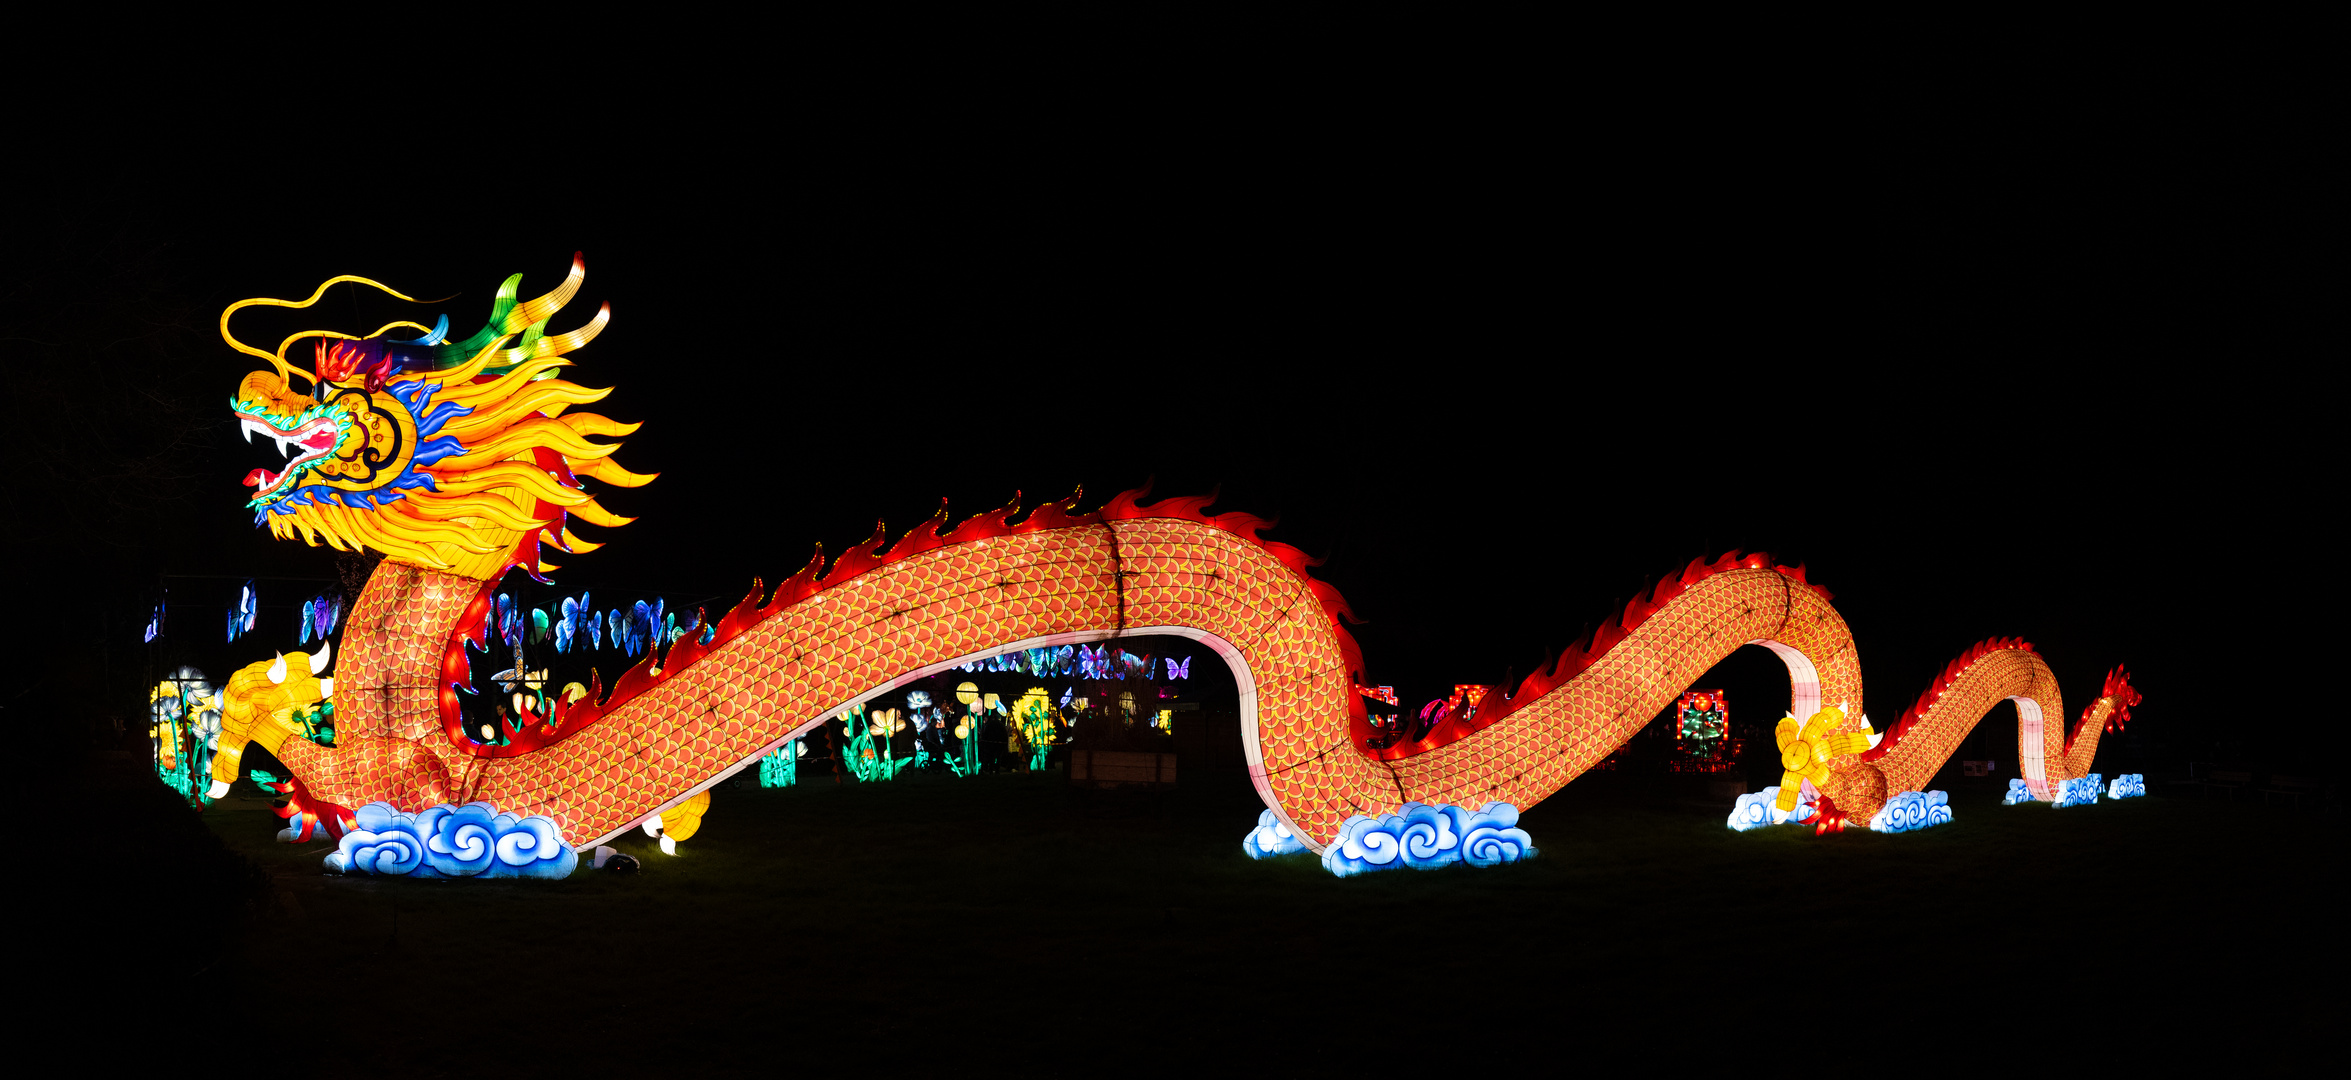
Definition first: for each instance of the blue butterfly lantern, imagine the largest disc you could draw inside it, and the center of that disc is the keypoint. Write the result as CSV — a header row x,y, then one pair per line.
x,y
1131,666
1179,669
644,621
319,616
241,617
575,619
509,621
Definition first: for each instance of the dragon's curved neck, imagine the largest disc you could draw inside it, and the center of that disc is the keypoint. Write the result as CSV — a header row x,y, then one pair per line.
x,y
392,673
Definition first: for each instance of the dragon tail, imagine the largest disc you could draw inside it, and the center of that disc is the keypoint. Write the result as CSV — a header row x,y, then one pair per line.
x,y
1969,687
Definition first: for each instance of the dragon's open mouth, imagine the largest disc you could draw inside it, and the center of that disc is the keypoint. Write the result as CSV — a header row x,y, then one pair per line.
x,y
304,447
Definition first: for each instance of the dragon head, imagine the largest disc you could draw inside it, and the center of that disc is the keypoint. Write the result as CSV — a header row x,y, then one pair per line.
x,y
460,457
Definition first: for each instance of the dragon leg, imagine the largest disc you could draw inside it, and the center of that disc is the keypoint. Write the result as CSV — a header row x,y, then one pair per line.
x,y
257,706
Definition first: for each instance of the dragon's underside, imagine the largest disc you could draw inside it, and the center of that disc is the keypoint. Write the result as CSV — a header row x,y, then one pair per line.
x,y
461,460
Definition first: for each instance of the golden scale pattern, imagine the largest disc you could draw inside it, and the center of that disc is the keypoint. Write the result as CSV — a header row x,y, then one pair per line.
x,y
1180,573
1993,678
389,743
1550,741
885,628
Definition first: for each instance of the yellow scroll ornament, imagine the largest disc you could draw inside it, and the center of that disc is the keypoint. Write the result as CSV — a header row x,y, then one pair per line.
x,y
682,821
1805,751
679,822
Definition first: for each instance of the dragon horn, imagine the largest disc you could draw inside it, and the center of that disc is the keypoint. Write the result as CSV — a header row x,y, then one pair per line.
x,y
319,659
277,671
537,311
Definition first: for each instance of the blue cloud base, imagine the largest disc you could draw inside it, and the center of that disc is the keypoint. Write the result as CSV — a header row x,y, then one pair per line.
x,y
1424,837
1270,838
2079,791
1911,811
473,840
1757,809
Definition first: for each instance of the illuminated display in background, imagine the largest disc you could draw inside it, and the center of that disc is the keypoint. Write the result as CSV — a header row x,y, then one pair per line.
x,y
1702,733
460,458
183,729
1387,724
780,767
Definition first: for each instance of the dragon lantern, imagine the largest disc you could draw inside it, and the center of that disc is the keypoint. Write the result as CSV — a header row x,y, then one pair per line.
x,y
460,460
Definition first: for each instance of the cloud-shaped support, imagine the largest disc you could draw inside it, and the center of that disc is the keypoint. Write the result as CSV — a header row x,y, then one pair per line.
x,y
1911,811
2127,786
473,840
1425,837
1758,809
2080,791
1270,838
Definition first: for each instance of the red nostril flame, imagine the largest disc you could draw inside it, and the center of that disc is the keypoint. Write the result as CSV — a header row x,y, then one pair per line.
x,y
260,478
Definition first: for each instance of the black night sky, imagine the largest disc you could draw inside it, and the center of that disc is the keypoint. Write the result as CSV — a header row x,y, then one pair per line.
x,y
2013,369
1502,342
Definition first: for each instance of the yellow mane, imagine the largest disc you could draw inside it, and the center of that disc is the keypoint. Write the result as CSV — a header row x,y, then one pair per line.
x,y
465,512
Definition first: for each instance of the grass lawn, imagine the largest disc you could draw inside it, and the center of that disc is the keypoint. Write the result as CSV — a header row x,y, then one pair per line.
x,y
1005,920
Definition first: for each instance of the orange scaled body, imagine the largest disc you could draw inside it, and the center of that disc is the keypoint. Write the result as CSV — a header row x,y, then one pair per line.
x,y
828,639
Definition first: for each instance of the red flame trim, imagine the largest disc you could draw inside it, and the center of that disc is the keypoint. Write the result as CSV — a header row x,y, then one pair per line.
x,y
1935,690
871,554
2118,686
1579,656
456,668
